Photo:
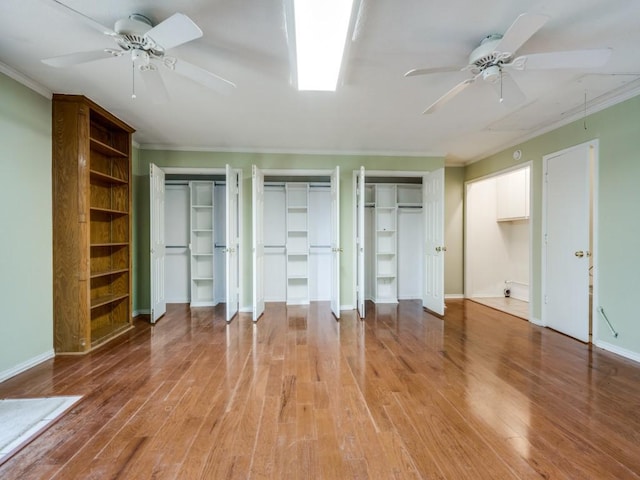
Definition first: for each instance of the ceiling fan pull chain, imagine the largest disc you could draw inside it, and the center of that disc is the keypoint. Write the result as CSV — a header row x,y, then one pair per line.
x,y
133,80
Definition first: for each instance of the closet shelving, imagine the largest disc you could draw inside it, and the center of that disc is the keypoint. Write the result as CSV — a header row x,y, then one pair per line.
x,y
202,243
91,224
297,247
386,281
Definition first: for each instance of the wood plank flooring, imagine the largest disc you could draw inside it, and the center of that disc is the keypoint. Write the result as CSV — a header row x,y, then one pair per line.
x,y
510,305
400,395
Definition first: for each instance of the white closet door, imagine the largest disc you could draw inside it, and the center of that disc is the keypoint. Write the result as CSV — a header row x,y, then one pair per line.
x,y
433,208
232,243
360,242
176,226
257,186
566,253
158,300
335,242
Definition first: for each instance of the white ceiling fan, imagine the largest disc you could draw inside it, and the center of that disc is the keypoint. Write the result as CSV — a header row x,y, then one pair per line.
x,y
495,56
147,45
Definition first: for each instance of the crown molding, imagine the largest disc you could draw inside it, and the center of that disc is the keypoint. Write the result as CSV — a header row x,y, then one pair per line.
x,y
26,81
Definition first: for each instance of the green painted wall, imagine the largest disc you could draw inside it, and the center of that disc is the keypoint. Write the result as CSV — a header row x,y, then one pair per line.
x,y
454,230
26,285
617,256
264,161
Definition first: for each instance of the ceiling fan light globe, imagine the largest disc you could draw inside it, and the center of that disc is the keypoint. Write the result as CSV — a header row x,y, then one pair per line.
x,y
491,74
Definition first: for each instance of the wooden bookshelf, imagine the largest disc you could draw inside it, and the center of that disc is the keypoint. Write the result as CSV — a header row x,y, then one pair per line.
x,y
91,224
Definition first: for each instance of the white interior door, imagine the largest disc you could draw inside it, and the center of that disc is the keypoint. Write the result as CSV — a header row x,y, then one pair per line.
x,y
335,242
158,299
433,208
566,242
257,199
231,242
360,242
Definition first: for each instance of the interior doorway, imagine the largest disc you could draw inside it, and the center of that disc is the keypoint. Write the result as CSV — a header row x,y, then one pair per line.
x,y
379,267
296,237
195,233
498,241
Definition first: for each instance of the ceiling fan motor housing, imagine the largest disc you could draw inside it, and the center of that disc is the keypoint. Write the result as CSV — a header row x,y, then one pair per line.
x,y
485,56
132,34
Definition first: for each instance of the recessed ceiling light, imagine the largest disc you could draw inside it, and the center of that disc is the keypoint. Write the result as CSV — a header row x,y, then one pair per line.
x,y
321,28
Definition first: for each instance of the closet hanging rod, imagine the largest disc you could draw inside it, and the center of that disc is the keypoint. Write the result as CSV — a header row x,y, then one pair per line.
x,y
409,206
320,246
176,246
275,246
217,245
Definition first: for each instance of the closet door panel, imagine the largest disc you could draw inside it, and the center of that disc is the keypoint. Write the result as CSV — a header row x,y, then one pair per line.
x,y
219,238
275,274
410,240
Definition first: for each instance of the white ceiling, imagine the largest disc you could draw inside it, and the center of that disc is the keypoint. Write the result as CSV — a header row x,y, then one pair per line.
x,y
375,110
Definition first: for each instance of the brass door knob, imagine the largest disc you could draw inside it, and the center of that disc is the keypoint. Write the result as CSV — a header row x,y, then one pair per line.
x,y
579,254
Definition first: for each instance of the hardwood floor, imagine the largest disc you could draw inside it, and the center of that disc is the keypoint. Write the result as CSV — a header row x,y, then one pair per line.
x,y
298,395
512,306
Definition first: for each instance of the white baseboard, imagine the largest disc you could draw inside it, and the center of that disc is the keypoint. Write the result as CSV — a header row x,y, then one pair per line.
x,y
453,296
142,311
347,307
26,365
623,352
246,309
536,321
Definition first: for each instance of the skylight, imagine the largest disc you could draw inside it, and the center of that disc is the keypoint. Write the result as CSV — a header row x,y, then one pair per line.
x,y
321,31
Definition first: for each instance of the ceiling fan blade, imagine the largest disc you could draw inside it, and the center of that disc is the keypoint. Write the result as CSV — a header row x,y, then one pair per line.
x,y
203,77
154,84
508,91
174,31
449,95
81,57
82,17
426,71
524,27
569,59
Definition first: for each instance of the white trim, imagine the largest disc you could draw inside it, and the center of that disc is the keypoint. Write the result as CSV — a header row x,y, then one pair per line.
x,y
623,352
346,308
295,172
193,170
246,309
536,321
454,296
26,365
596,105
26,81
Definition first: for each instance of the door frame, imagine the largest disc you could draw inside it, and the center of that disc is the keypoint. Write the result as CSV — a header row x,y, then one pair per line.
x,y
593,147
354,223
467,184
297,172
196,171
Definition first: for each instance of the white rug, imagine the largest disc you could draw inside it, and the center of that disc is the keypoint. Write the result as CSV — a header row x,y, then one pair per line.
x,y
21,420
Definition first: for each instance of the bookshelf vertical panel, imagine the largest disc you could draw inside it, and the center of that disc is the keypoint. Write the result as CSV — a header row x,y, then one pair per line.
x,y
91,224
